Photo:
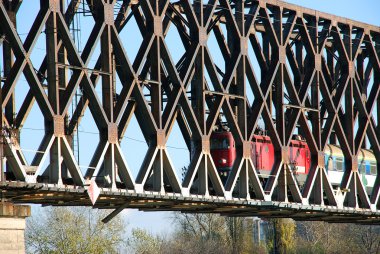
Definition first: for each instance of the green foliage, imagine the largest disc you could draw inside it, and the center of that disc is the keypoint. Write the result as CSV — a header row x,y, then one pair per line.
x,y
282,239
240,234
73,230
144,242
286,228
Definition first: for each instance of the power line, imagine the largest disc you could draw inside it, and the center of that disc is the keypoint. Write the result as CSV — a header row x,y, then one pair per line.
x,y
97,133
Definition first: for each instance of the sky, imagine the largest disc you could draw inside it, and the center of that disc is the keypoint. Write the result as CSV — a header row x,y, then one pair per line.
x,y
366,11
133,145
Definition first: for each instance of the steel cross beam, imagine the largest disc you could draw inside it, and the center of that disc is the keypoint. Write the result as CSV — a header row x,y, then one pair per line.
x,y
250,64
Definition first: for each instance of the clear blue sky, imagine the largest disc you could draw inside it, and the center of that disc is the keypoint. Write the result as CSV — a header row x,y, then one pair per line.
x,y
367,11
361,10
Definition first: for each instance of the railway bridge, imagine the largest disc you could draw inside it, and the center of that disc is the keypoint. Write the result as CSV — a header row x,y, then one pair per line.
x,y
244,64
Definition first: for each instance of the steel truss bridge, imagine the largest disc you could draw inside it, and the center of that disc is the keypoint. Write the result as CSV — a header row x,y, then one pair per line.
x,y
294,69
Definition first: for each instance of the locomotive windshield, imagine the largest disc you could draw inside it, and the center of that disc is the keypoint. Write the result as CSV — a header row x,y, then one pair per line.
x,y
220,143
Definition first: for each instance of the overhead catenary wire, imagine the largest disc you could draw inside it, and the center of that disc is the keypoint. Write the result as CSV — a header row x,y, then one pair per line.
x,y
97,133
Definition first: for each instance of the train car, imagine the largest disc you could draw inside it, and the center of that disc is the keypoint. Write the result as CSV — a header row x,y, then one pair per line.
x,y
334,160
299,158
223,152
262,155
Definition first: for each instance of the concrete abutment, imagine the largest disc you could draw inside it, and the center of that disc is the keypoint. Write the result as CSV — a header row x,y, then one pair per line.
x,y
12,228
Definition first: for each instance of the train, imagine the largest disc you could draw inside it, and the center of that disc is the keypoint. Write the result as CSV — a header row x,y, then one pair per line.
x,y
223,152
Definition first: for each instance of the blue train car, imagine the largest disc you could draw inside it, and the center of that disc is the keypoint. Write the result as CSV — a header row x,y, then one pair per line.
x,y
334,161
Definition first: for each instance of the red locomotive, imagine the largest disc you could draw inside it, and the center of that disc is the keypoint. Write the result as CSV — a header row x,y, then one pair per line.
x,y
223,152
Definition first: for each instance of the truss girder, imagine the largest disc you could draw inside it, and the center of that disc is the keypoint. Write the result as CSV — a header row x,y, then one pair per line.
x,y
287,68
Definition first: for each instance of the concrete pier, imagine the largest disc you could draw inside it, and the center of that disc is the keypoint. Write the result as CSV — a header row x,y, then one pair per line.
x,y
12,228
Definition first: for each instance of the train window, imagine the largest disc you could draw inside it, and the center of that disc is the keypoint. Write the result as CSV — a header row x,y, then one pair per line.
x,y
329,163
367,168
361,167
219,143
339,164
225,144
373,168
214,143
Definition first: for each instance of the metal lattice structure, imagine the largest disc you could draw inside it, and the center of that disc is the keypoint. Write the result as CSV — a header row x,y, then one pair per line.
x,y
306,72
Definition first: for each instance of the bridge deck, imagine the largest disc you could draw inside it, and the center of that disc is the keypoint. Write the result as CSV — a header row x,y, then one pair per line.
x,y
51,195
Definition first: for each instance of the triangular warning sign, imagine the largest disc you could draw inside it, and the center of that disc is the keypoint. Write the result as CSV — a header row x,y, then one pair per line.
x,y
93,191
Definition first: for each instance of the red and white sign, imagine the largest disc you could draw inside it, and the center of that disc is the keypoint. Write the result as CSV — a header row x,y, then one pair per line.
x,y
93,191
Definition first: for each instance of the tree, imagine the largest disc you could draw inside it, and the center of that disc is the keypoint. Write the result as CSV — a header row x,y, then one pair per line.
x,y
212,233
322,237
202,233
283,235
368,236
73,230
205,226
240,234
143,242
